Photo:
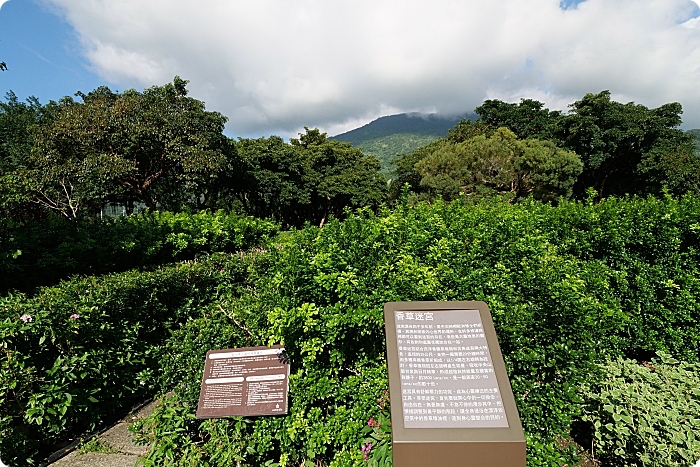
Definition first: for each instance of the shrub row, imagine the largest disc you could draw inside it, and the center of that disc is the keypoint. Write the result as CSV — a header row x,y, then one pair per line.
x,y
75,354
569,287
42,253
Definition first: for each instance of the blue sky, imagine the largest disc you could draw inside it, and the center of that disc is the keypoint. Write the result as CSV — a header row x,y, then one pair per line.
x,y
275,66
42,53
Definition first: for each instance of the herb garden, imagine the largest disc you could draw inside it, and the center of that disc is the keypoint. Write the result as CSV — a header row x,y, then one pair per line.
x,y
596,307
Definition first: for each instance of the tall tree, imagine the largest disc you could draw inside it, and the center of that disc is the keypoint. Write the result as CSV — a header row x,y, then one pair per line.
x,y
340,176
271,181
306,180
625,148
18,125
614,138
158,147
527,119
502,164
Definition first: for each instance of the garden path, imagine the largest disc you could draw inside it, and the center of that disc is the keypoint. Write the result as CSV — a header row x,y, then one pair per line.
x,y
113,448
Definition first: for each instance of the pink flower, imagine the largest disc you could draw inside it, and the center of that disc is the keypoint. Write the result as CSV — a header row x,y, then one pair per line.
x,y
74,316
26,318
366,449
370,422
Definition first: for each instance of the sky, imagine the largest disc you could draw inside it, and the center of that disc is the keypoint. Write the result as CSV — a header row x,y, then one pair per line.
x,y
275,66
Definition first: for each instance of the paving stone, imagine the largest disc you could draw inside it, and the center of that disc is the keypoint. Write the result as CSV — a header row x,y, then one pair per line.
x,y
118,438
96,459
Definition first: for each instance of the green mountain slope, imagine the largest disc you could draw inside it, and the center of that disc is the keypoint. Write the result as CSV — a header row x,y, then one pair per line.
x,y
696,133
390,136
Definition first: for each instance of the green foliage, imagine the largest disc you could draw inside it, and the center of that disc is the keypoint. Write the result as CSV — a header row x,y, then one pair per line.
x,y
645,415
388,148
95,444
18,121
527,119
307,180
568,285
696,133
158,147
43,252
377,447
625,148
499,163
72,350
613,138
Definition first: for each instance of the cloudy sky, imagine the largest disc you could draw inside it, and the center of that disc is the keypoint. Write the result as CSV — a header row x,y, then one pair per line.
x,y
274,66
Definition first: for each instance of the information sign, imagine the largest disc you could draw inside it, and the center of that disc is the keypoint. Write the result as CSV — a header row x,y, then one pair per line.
x,y
447,374
244,382
451,400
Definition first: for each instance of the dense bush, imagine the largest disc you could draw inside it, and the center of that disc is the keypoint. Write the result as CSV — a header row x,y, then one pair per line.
x,y
568,286
41,253
646,414
73,354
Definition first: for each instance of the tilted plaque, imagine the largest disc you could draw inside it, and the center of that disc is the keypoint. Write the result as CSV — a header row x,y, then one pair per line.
x,y
244,382
451,401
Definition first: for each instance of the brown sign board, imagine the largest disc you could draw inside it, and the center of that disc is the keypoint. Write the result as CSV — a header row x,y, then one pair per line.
x,y
451,400
244,382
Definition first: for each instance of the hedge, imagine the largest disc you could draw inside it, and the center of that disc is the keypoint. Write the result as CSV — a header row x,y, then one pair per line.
x,y
569,286
42,253
77,353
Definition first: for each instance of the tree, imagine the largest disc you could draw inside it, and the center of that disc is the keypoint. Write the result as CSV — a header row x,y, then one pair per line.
x,y
306,180
618,143
271,181
158,147
18,124
340,176
501,164
528,119
614,138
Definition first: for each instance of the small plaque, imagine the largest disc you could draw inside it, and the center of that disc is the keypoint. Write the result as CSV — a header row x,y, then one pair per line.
x,y
244,382
447,374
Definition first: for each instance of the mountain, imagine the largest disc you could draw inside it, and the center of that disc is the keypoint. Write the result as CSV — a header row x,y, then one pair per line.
x,y
696,133
387,137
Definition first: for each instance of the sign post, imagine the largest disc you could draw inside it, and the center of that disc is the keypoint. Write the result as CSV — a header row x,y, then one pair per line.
x,y
244,382
451,400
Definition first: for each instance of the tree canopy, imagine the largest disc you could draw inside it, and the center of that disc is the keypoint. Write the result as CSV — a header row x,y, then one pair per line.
x,y
156,147
500,163
308,179
625,148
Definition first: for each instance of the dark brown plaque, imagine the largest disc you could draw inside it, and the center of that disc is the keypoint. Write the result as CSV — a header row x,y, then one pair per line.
x,y
244,382
451,400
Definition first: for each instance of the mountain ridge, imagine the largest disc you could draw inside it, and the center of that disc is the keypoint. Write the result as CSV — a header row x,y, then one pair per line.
x,y
392,135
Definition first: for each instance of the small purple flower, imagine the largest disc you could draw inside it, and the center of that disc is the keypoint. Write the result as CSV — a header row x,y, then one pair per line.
x,y
74,316
26,318
366,449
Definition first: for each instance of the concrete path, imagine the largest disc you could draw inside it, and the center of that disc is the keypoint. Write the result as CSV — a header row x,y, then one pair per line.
x,y
117,440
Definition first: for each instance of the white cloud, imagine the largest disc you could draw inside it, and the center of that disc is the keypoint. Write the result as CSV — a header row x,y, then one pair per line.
x,y
273,66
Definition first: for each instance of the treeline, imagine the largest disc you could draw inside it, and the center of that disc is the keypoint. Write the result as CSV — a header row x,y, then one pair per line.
x,y
524,149
161,149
